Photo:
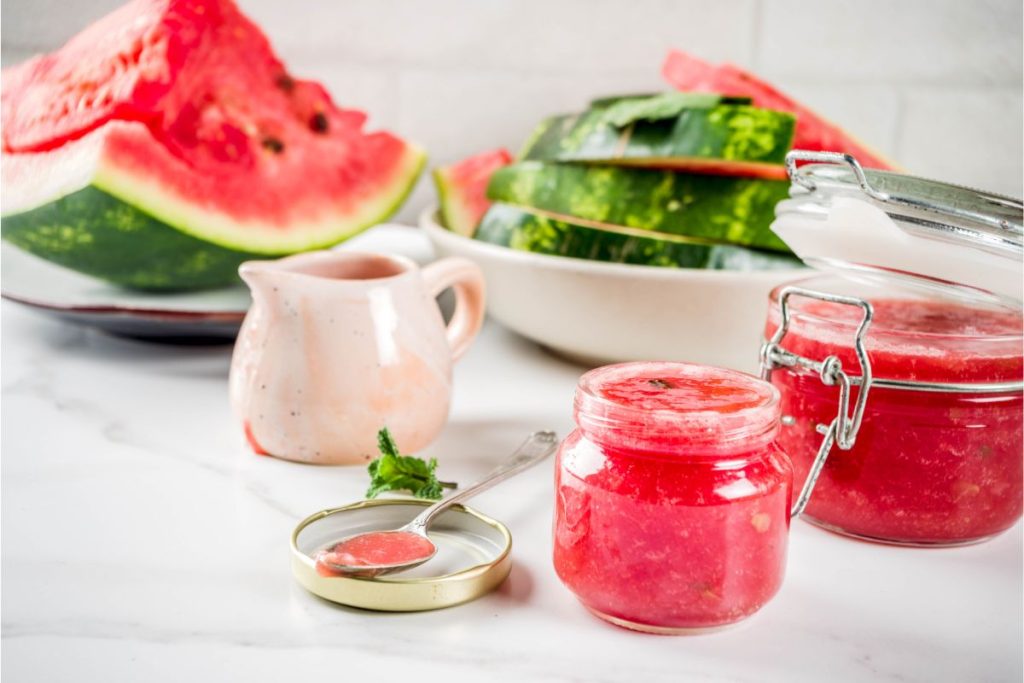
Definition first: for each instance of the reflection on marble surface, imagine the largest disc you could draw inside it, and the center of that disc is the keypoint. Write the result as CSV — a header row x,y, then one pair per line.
x,y
128,497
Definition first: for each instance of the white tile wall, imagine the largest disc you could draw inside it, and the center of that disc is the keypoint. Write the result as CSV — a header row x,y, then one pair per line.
x,y
970,135
935,84
939,42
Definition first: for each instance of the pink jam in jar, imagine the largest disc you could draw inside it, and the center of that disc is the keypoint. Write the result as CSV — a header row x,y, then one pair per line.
x,y
672,499
927,467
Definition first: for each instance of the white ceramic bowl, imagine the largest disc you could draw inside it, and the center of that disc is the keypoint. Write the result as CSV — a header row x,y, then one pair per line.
x,y
597,313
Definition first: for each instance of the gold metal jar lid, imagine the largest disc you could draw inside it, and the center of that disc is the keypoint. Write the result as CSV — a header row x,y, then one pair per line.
x,y
473,557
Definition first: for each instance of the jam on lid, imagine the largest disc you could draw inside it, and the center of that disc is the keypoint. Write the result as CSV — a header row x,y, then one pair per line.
x,y
652,405
374,548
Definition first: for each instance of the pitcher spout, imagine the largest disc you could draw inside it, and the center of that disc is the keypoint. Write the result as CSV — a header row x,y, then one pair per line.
x,y
260,276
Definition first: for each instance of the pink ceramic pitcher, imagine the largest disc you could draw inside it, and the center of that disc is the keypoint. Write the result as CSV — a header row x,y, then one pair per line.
x,y
339,344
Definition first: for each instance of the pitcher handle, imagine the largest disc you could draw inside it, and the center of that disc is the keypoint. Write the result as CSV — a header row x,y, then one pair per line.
x,y
466,278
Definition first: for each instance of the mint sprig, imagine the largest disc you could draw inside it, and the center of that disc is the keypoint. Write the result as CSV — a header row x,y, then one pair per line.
x,y
668,105
393,471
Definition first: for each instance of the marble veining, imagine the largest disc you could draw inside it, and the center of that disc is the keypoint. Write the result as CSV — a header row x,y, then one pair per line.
x,y
142,541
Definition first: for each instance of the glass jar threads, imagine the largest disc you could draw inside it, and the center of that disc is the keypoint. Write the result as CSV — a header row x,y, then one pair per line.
x,y
672,499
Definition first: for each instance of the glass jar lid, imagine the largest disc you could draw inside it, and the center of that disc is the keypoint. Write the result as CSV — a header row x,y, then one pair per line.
x,y
879,225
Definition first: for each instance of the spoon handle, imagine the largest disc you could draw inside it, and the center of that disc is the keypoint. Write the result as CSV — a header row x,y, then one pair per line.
x,y
537,446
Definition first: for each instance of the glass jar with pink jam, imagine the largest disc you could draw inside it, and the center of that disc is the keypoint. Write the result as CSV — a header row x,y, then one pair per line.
x,y
901,374
672,498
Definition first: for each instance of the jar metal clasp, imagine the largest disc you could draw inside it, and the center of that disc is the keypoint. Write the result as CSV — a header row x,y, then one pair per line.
x,y
842,431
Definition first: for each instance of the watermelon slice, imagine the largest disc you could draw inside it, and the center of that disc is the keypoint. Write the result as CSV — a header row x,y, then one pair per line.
x,y
167,143
542,232
683,131
462,188
813,132
706,207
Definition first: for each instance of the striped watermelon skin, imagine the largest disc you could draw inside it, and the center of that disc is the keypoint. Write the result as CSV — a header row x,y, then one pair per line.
x,y
706,207
731,139
542,233
91,231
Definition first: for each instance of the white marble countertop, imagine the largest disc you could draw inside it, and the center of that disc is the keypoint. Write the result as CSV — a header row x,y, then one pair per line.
x,y
128,499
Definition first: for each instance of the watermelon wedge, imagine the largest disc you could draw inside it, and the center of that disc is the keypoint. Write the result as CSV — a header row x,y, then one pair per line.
x,y
462,189
683,131
167,143
813,132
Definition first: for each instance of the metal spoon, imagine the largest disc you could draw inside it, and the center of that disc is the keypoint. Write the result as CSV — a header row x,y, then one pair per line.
x,y
537,446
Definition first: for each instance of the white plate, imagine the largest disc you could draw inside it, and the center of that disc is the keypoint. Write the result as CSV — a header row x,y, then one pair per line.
x,y
598,313
192,317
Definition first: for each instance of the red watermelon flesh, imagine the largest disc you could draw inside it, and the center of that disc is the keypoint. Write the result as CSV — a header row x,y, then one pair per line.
x,y
462,189
198,120
688,73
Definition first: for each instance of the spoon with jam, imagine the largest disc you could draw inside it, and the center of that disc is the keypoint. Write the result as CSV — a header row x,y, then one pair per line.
x,y
375,553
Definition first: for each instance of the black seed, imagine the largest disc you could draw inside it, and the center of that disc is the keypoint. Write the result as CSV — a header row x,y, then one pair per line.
x,y
273,144
661,383
318,123
285,82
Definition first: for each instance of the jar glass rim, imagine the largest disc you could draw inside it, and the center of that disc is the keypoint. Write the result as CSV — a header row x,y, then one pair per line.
x,y
823,281
596,411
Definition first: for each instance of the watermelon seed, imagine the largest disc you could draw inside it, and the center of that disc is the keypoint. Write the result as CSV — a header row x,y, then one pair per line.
x,y
318,123
273,144
285,82
661,383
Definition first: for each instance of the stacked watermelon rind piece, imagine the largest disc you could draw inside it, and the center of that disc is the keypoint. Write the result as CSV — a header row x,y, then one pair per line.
x,y
688,178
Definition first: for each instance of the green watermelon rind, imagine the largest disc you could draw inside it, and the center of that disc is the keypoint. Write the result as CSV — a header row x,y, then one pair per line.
x,y
724,209
541,233
139,241
736,133
90,231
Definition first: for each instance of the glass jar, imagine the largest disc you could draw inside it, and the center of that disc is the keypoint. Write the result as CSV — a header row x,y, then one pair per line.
x,y
672,499
912,381
927,467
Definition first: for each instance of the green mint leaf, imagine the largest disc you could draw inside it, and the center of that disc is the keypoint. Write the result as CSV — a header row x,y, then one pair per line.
x,y
620,113
609,100
386,443
430,491
393,471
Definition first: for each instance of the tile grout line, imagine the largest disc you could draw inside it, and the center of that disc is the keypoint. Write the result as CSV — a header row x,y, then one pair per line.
x,y
755,39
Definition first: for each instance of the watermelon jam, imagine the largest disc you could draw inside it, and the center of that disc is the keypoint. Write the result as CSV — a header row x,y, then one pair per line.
x,y
672,499
927,468
374,549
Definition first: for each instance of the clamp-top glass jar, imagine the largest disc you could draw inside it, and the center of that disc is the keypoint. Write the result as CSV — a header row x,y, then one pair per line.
x,y
907,361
